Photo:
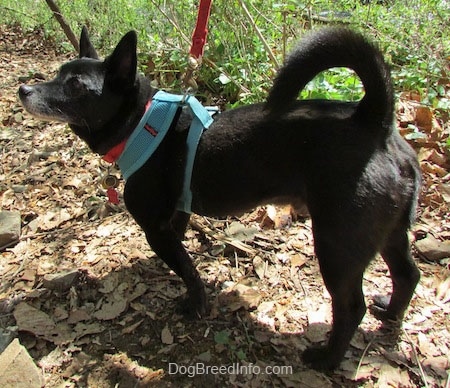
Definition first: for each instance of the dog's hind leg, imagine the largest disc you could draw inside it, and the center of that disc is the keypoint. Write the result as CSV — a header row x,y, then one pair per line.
x,y
404,274
342,260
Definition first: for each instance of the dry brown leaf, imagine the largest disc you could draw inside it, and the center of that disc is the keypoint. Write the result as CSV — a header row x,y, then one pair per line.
x,y
424,117
260,266
112,306
432,248
277,217
394,377
29,318
317,332
130,329
78,315
83,329
443,290
240,296
309,378
298,260
166,336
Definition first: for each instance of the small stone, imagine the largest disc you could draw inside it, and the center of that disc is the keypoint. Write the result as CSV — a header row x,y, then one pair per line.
x,y
17,368
6,336
61,281
9,227
432,248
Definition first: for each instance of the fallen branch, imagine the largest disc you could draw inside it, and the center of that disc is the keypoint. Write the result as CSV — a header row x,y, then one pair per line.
x,y
220,237
260,35
65,26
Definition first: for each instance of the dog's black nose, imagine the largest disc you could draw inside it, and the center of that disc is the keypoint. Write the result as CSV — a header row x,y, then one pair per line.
x,y
25,90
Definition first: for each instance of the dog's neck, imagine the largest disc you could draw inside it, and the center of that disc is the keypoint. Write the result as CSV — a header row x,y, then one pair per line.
x,y
114,153
122,124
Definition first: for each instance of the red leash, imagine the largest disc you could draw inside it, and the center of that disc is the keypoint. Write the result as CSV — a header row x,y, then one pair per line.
x,y
201,29
198,44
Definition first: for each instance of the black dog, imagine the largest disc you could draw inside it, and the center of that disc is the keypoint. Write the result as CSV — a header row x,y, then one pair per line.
x,y
344,160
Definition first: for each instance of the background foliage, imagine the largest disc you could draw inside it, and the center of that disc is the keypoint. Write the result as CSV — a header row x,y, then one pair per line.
x,y
414,34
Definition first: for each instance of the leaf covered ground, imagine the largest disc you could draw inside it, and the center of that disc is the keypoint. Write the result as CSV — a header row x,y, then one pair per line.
x,y
95,307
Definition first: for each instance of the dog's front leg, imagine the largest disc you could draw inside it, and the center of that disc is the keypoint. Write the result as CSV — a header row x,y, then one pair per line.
x,y
164,241
179,223
162,226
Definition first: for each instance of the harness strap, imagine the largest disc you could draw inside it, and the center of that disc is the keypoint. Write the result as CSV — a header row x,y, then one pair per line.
x,y
202,120
152,129
147,136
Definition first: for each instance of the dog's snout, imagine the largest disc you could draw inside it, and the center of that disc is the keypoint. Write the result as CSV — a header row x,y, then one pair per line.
x,y
25,90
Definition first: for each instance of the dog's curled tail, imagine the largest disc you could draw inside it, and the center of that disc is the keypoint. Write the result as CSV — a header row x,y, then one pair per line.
x,y
336,47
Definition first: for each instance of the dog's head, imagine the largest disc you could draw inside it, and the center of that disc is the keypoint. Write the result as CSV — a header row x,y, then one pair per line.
x,y
87,92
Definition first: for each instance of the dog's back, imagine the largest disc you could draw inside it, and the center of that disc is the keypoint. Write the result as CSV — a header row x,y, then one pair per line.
x,y
315,146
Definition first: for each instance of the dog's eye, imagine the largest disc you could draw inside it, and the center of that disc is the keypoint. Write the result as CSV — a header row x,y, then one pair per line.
x,y
75,83
75,86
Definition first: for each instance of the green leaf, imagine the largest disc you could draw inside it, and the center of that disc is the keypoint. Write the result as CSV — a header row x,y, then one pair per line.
x,y
222,337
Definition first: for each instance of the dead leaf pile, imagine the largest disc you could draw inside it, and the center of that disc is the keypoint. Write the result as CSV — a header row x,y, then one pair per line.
x,y
93,306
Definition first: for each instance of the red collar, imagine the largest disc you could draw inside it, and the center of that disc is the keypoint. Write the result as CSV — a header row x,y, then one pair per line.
x,y
114,153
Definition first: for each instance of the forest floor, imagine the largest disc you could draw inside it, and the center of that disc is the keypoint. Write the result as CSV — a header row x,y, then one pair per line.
x,y
94,306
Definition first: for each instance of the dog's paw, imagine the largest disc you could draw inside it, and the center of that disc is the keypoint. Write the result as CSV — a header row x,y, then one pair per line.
x,y
320,358
192,310
380,309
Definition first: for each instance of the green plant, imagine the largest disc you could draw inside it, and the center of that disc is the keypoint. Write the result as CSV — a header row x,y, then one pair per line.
x,y
222,338
239,65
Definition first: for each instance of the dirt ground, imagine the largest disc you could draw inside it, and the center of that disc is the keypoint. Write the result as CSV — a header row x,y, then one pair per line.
x,y
95,307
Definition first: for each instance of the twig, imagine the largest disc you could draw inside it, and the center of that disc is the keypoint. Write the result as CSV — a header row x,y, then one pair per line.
x,y
227,240
260,35
416,356
171,21
20,13
362,358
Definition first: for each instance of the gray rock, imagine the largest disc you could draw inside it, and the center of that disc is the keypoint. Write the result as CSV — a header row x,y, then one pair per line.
x,y
432,248
17,368
9,227
61,281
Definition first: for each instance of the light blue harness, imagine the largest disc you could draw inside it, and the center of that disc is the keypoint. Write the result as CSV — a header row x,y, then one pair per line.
x,y
152,129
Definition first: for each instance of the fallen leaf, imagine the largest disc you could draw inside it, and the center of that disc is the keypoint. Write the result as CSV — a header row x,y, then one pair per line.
x,y
297,260
111,307
394,377
29,318
424,117
443,290
166,336
242,296
259,265
132,328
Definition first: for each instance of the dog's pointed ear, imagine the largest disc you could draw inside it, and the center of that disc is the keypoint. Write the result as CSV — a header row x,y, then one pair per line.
x,y
122,63
87,50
